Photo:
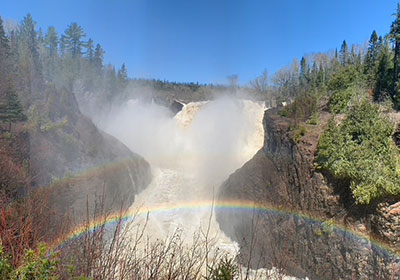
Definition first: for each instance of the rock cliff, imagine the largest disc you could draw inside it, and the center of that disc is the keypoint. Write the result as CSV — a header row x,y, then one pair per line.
x,y
77,161
315,227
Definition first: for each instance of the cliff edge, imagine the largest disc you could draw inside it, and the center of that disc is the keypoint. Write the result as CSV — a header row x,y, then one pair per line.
x,y
310,225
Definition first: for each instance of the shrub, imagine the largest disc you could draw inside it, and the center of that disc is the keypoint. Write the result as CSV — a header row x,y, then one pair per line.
x,y
226,269
304,106
361,150
314,119
298,132
339,101
41,264
344,78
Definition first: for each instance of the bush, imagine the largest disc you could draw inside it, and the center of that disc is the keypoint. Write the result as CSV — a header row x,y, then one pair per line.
x,y
304,106
361,150
298,132
226,269
339,101
36,265
344,78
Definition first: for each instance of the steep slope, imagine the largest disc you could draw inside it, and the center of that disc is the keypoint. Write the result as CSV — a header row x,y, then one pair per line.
x,y
297,199
79,162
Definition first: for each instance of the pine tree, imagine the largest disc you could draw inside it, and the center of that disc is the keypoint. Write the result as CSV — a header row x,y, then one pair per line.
x,y
72,39
51,41
28,36
395,36
4,43
304,72
111,82
4,55
122,77
383,86
371,58
11,111
344,54
28,56
98,58
90,50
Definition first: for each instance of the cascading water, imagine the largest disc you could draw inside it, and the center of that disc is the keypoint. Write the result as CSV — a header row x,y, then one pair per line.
x,y
191,155
214,139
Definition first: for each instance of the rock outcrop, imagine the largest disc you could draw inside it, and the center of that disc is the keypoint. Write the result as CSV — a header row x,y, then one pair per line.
x,y
78,162
315,228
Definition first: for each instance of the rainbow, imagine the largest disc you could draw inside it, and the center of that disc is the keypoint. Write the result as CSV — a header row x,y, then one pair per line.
x,y
87,174
232,205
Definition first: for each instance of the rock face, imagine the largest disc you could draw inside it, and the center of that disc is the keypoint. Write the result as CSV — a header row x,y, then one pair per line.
x,y
78,162
315,227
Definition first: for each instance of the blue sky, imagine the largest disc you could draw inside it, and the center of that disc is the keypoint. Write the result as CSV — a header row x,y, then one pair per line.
x,y
207,40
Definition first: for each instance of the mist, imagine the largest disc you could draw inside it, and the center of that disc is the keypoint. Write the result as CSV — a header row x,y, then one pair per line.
x,y
210,139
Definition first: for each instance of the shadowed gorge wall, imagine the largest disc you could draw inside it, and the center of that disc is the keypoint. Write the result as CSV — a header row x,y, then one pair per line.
x,y
282,175
70,155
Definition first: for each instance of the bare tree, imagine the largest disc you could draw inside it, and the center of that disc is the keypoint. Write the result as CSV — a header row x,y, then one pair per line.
x,y
260,84
233,80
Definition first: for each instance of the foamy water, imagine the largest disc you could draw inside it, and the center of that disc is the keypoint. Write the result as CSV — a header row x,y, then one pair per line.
x,y
204,160
191,155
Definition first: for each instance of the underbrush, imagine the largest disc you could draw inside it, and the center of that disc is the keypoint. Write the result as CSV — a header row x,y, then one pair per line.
x,y
120,249
361,150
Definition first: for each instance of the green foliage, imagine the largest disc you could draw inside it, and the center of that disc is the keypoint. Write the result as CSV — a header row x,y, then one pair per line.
x,y
304,106
340,100
327,227
50,126
72,40
361,150
5,266
344,78
298,131
36,265
12,110
344,53
314,119
226,269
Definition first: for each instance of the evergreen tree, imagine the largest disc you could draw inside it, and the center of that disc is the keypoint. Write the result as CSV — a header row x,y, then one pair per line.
x,y
98,58
90,50
111,82
371,58
51,41
63,45
4,43
122,77
28,57
315,76
11,111
72,40
28,36
344,54
304,72
4,55
395,36
383,86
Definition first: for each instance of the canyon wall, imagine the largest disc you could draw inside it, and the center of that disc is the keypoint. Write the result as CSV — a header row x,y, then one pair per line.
x,y
314,228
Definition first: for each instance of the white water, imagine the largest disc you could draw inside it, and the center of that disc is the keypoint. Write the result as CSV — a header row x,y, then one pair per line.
x,y
215,139
190,155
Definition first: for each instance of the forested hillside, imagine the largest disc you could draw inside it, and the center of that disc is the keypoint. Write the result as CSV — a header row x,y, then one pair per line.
x,y
51,81
360,88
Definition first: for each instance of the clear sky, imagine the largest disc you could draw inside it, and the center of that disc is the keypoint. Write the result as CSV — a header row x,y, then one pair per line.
x,y
207,40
